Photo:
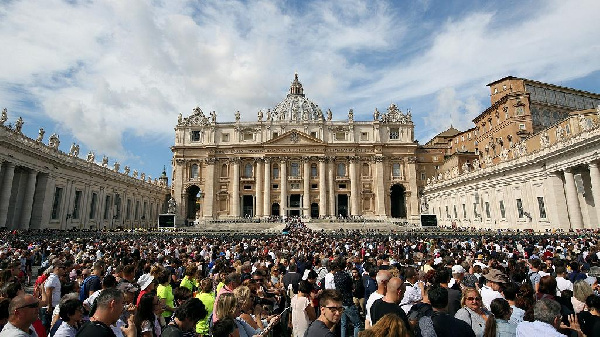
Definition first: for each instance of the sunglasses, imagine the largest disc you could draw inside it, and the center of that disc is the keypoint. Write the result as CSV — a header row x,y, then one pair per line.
x,y
336,309
30,305
473,298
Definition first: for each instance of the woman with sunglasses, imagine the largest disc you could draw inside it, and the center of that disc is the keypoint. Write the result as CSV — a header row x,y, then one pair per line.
x,y
473,312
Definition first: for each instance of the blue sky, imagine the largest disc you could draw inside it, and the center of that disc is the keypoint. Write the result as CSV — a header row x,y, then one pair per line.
x,y
113,75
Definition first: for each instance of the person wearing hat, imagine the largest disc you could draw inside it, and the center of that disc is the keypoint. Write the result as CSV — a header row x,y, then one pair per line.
x,y
458,274
146,283
491,290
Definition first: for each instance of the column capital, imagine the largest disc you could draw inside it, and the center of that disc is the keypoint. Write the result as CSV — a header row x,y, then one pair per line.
x,y
378,159
210,160
568,170
267,160
322,159
235,160
305,159
593,164
354,159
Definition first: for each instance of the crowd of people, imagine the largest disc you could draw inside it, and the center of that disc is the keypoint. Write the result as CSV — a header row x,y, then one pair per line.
x,y
304,283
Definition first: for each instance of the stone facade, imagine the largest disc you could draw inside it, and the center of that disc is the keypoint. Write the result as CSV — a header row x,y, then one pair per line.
x,y
44,187
295,160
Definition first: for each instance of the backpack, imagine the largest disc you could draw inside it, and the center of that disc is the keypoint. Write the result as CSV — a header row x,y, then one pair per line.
x,y
83,291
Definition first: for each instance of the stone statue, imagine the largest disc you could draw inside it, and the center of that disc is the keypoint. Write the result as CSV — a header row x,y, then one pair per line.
x,y
53,141
143,176
424,205
135,173
72,150
465,167
560,133
213,117
351,116
4,116
116,166
90,157
504,154
376,115
104,161
126,170
40,136
149,179
329,114
476,164
179,119
269,117
544,139
19,125
237,116
585,124
172,206
260,115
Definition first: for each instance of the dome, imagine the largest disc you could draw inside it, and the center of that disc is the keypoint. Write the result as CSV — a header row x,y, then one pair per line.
x,y
296,107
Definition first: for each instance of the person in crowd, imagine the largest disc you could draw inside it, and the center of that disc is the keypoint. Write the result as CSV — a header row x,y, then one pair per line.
x,y
189,280
390,302
331,307
208,298
498,324
92,283
343,283
509,291
358,290
291,279
491,290
562,283
109,306
147,323
52,288
390,325
442,277
227,308
302,310
382,278
534,273
109,281
440,323
231,281
4,304
22,312
165,292
581,291
547,320
146,283
473,312
247,309
546,288
224,328
412,294
589,319
186,316
71,315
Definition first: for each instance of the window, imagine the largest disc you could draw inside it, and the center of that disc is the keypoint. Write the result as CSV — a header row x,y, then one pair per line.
x,y
76,205
314,186
195,136
275,186
502,210
275,171
247,187
107,203
137,210
128,210
340,135
194,171
56,203
248,170
520,208
224,171
423,177
487,210
225,137
144,210
294,169
295,186
275,134
364,136
455,214
342,186
396,170
313,170
248,136
521,126
542,207
313,134
365,170
341,170
519,111
93,206
464,207
447,213
394,133
117,203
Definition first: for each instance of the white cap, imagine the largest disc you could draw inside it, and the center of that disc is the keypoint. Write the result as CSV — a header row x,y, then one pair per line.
x,y
458,269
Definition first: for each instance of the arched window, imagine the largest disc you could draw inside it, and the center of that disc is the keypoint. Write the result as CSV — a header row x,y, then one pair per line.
x,y
313,170
248,170
341,170
194,171
275,171
224,172
396,170
365,170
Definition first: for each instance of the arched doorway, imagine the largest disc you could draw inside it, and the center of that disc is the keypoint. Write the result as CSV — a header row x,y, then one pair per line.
x,y
193,202
314,210
248,206
342,205
275,209
398,201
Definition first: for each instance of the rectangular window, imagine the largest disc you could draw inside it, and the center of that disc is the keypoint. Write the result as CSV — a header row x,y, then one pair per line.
x,y
364,136
487,210
275,134
93,206
107,204
314,186
275,186
521,126
447,213
128,210
144,210
313,134
342,186
423,177
295,186
313,171
341,170
396,170
275,172
520,208
340,136
542,207
117,206
137,210
195,136
455,213
464,207
247,187
56,203
394,133
76,205
225,137
248,136
502,210
295,170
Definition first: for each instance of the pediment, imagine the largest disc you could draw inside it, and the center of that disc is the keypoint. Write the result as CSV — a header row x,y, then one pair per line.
x,y
294,137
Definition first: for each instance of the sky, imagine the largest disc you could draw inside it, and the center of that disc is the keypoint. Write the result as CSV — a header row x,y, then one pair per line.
x,y
113,75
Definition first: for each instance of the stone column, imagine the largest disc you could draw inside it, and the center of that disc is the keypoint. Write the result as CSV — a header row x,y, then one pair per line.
x,y
28,200
330,185
283,188
5,190
306,195
354,181
322,188
258,184
572,200
378,183
235,193
267,189
595,182
209,189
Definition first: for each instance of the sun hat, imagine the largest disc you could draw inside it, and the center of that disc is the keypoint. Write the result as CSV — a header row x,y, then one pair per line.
x,y
458,269
145,280
497,276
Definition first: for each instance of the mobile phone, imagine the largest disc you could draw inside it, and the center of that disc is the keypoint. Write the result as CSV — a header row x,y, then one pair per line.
x,y
270,326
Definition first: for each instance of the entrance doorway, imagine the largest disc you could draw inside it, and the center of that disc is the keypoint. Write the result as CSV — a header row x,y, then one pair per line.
x,y
247,206
193,202
398,201
275,209
342,205
314,210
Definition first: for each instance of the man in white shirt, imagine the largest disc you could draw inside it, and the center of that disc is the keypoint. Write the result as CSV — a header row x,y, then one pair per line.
x,y
23,311
491,289
383,276
562,283
52,289
412,294
547,318
328,280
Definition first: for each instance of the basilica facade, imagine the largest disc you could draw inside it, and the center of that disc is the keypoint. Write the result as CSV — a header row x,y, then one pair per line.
x,y
295,160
